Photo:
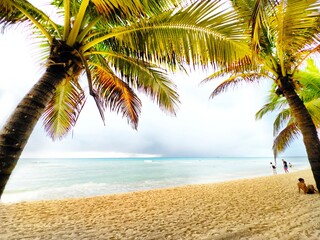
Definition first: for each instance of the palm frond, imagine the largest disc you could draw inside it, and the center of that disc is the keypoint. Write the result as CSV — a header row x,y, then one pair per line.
x,y
285,138
281,30
274,103
124,9
309,79
185,35
244,65
294,25
299,24
270,107
10,14
21,11
121,12
234,81
313,107
257,20
78,21
62,112
282,119
258,13
116,95
145,77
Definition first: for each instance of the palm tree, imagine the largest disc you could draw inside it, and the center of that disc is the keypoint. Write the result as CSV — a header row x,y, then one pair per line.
x,y
283,35
285,128
121,46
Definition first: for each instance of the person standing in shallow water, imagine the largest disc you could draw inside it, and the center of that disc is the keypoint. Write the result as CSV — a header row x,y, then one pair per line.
x,y
274,168
285,166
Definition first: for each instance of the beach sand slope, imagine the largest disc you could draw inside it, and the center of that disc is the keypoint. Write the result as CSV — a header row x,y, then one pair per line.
x,y
259,208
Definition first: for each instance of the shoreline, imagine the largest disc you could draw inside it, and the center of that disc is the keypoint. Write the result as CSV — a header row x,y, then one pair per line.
x,y
45,179
267,207
223,181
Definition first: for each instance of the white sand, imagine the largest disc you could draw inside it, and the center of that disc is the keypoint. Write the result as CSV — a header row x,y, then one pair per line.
x,y
260,208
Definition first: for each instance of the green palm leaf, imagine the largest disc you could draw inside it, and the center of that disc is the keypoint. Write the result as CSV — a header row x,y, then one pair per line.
x,y
116,95
313,107
274,103
283,34
128,43
21,11
309,91
285,138
234,81
186,32
146,78
127,9
282,118
62,112
310,80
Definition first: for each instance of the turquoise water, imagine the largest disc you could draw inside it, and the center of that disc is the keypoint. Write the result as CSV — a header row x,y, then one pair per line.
x,y
42,179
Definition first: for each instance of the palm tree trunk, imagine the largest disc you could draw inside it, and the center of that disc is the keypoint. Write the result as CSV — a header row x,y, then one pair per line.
x,y
18,128
63,61
307,128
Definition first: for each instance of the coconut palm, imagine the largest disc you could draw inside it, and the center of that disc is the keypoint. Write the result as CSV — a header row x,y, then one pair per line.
x,y
285,128
283,35
120,46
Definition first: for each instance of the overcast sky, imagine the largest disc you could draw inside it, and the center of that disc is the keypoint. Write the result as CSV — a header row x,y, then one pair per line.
x,y
219,127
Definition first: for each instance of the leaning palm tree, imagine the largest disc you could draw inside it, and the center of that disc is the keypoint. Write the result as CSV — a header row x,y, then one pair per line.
x,y
285,128
283,35
120,46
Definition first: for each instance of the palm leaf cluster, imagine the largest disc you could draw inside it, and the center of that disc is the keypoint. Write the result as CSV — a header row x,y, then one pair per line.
x,y
283,34
122,47
285,126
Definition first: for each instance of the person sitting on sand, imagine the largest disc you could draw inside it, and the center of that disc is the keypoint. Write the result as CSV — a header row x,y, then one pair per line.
x,y
307,189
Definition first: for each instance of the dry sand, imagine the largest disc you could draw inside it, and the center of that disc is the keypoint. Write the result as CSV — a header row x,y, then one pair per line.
x,y
259,208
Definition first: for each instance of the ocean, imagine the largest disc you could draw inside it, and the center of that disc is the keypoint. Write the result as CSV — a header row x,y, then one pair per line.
x,y
49,178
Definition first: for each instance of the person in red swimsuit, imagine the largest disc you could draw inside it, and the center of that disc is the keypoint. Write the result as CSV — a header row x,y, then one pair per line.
x,y
285,166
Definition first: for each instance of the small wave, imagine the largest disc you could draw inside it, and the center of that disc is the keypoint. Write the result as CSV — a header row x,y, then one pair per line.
x,y
75,190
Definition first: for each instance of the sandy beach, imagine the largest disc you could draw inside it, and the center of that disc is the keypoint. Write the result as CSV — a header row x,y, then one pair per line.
x,y
259,208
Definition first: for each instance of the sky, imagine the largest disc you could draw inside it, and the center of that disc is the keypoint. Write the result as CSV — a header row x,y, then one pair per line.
x,y
221,127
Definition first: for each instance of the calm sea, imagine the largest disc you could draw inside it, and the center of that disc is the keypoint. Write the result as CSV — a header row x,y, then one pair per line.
x,y
42,179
